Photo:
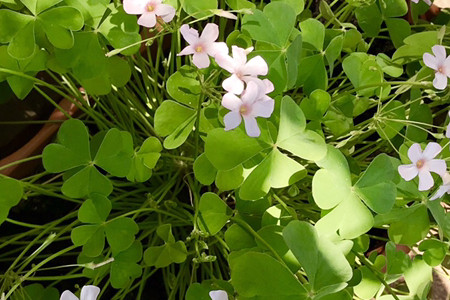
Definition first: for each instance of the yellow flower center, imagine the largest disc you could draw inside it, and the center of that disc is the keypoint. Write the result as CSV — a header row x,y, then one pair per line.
x,y
420,163
150,8
243,110
441,70
199,49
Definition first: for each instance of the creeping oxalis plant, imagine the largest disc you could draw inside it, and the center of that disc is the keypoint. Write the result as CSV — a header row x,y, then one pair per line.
x,y
232,149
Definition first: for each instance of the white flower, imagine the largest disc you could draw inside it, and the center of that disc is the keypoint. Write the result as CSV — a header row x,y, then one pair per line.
x,y
440,63
204,45
241,70
423,164
149,10
253,103
88,292
447,132
218,295
444,188
224,14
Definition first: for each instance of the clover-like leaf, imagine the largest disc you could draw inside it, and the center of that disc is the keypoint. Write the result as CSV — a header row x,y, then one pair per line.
x,y
144,160
120,233
325,266
162,256
124,268
260,275
214,213
35,291
95,210
11,192
184,86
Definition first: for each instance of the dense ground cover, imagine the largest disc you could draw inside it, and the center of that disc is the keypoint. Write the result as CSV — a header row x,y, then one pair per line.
x,y
232,149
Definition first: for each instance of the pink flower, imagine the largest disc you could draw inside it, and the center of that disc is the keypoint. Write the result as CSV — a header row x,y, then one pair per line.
x,y
253,103
444,188
423,164
426,1
202,46
241,70
440,63
88,292
447,132
149,10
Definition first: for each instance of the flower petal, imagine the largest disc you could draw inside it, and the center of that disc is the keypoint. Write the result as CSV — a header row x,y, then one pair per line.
x,y
216,49
189,34
440,192
225,62
210,33
233,85
251,93
148,20
134,7
231,102
201,60
439,52
408,172
447,66
218,295
251,126
425,180
415,153
447,132
255,67
232,120
165,11
89,292
239,55
187,51
440,81
68,295
431,150
263,108
430,61
269,86
438,166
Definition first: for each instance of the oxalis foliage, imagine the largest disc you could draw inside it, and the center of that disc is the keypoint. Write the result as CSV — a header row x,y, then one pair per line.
x,y
233,149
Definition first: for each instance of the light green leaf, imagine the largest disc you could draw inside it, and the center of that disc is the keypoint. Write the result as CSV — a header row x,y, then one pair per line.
x,y
15,21
87,181
11,192
324,265
22,45
170,115
162,256
316,105
95,210
214,213
199,9
412,227
124,268
204,171
230,179
369,19
184,86
120,233
313,33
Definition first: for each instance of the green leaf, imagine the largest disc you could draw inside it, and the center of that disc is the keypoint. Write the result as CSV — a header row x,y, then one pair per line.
x,y
38,6
399,29
227,180
393,8
375,186
22,45
422,115
118,70
115,152
388,66
11,192
124,268
184,86
92,11
369,285
121,30
418,278
312,73
164,231
369,19
415,46
170,115
278,215
180,134
95,210
204,171
323,264
35,291
72,149
20,86
397,260
260,276
145,160
65,16
412,227
297,5
292,135
58,36
275,171
162,256
120,233
214,213
199,9
91,237
316,105
228,149
274,25
313,33
434,251
15,21
239,4
333,50
362,71
238,238
87,181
